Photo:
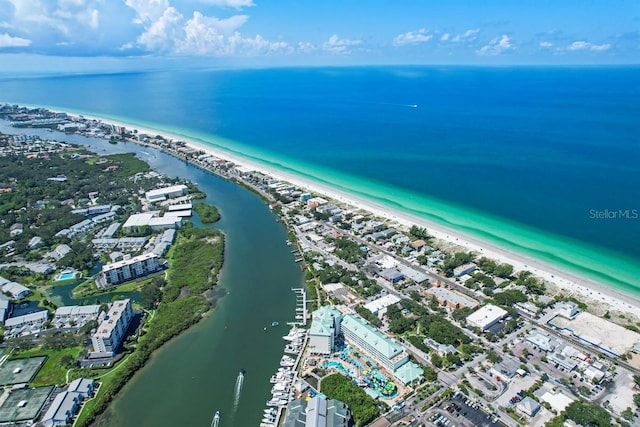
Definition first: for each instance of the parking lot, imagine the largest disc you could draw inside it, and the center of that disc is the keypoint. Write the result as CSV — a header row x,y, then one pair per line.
x,y
459,411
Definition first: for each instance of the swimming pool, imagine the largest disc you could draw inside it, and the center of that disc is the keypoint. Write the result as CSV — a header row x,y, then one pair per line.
x,y
65,275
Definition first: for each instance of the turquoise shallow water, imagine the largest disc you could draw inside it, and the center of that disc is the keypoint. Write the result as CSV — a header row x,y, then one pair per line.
x,y
520,157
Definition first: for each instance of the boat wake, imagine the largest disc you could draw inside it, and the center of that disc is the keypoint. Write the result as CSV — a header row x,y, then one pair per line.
x,y
216,420
237,391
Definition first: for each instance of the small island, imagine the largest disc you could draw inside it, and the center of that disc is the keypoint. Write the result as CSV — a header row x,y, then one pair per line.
x,y
208,214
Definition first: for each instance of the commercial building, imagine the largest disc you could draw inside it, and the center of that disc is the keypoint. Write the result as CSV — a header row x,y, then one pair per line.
x,y
138,222
161,194
542,342
317,412
506,369
451,299
528,406
112,329
562,361
129,269
325,327
382,349
379,306
392,275
486,317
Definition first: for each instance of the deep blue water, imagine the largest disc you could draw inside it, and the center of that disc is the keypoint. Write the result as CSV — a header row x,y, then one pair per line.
x,y
541,147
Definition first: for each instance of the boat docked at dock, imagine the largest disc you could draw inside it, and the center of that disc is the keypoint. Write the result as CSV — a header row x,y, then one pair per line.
x,y
287,361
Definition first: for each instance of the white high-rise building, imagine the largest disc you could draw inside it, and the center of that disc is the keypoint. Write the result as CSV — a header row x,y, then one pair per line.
x,y
112,329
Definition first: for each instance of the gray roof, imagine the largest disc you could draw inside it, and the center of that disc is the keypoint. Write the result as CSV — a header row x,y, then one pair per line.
x,y
61,409
38,316
317,412
82,385
529,406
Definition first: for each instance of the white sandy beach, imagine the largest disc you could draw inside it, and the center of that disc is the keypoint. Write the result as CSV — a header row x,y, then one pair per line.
x,y
575,285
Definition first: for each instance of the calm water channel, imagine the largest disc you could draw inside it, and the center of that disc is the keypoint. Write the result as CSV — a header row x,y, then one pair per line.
x,y
195,374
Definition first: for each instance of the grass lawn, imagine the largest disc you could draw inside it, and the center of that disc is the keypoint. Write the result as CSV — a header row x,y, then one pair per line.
x,y
88,288
104,380
52,372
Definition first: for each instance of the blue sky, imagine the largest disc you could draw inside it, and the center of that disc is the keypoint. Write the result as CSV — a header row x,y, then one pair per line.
x,y
50,35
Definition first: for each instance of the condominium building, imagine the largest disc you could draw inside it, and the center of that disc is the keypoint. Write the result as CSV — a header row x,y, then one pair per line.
x,y
112,329
129,269
383,349
325,327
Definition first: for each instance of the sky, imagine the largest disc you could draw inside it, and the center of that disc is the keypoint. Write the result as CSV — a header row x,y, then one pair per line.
x,y
58,35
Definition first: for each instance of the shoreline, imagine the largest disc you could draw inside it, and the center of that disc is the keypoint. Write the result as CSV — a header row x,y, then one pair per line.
x,y
574,284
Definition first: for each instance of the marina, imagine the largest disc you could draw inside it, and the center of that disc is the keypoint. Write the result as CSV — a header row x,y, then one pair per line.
x,y
283,390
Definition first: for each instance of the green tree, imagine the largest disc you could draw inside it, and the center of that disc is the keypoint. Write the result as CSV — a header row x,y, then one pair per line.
x,y
587,414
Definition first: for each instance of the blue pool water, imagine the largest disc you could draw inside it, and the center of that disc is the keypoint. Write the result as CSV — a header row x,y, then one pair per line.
x,y
65,276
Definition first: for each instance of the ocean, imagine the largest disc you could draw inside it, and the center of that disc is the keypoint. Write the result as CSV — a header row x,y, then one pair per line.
x,y
537,159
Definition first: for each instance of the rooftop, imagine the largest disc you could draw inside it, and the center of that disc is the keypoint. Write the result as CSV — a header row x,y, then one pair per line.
x,y
373,337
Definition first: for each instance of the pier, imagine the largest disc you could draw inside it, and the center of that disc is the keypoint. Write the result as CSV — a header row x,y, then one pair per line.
x,y
301,307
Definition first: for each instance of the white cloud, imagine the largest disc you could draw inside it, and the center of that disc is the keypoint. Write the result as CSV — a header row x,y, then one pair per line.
x,y
337,45
468,35
163,33
583,45
306,47
8,41
496,46
411,37
203,36
148,10
445,37
545,45
236,4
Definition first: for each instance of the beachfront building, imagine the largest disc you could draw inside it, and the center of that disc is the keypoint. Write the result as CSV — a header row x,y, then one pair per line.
x,y
162,194
467,268
112,329
317,412
325,327
486,317
450,299
568,309
383,350
129,269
